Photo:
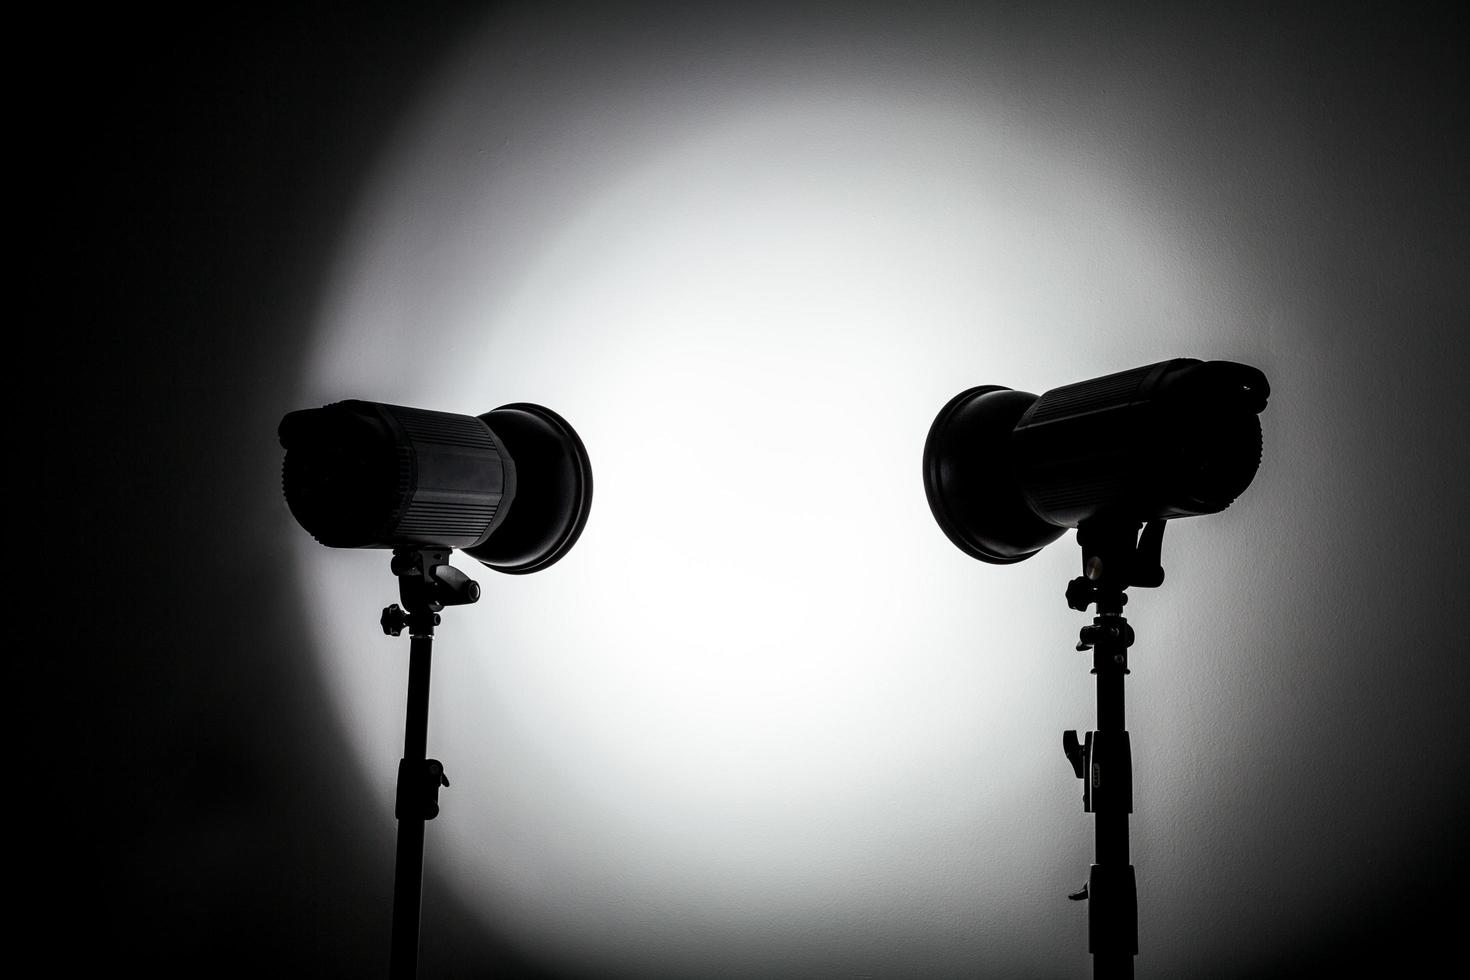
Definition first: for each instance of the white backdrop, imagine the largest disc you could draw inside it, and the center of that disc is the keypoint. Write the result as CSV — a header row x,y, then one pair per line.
x,y
764,719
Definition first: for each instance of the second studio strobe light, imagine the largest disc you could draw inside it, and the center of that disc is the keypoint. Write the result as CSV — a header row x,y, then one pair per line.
x,y
1007,472
511,488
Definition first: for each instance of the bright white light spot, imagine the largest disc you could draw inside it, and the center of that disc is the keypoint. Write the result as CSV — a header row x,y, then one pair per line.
x,y
764,705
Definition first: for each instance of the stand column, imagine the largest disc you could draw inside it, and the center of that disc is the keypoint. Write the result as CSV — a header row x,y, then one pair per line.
x,y
426,584
408,869
1112,912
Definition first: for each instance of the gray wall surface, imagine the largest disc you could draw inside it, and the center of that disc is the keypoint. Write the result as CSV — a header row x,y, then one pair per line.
x,y
750,726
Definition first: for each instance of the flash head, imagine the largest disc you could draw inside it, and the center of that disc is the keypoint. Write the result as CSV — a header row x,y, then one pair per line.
x,y
512,488
1007,472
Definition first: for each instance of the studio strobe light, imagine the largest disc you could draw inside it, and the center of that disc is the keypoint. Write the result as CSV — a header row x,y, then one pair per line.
x,y
511,488
1007,472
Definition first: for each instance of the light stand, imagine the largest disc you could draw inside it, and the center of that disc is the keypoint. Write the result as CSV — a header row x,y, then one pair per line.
x,y
1007,472
1111,561
511,488
426,584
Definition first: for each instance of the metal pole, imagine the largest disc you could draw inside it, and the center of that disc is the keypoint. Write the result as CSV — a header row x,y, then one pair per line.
x,y
1112,914
408,872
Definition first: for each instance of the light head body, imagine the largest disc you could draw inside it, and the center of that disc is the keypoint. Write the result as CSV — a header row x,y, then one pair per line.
x,y
511,488
1007,472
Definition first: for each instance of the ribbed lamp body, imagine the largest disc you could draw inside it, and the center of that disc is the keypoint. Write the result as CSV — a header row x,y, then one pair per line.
x,y
363,474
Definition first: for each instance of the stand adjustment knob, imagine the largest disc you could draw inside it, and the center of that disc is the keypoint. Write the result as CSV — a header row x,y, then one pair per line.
x,y
394,619
1076,752
1080,593
1117,632
418,789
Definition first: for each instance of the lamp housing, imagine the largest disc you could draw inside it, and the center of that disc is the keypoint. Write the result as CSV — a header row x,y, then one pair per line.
x,y
1007,472
511,488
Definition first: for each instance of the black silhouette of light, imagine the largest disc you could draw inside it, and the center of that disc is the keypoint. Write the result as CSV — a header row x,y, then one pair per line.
x,y
511,488
1007,472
